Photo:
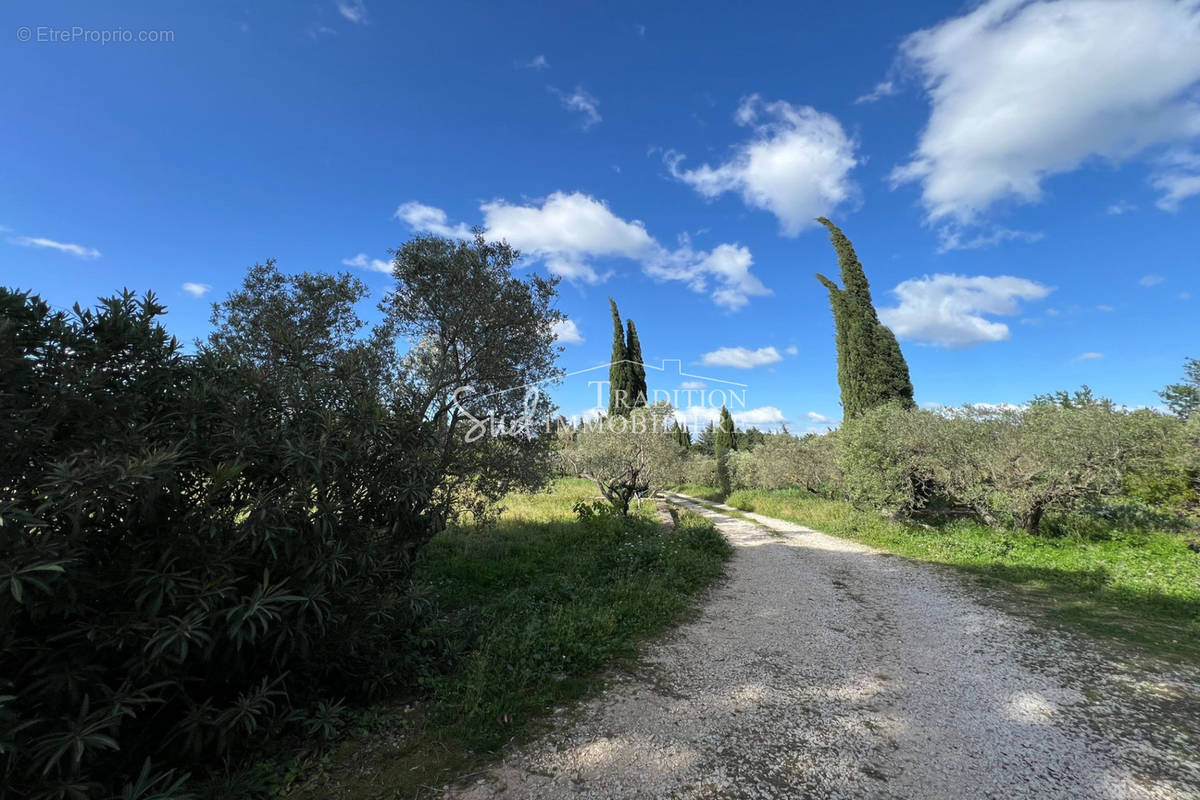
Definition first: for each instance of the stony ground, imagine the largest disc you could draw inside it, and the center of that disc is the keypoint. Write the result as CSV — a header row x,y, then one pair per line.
x,y
823,668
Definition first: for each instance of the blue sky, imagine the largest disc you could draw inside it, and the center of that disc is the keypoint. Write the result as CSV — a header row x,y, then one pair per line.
x,y
1021,179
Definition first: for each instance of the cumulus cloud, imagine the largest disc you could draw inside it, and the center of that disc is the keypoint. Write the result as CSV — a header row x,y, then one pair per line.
x,y
1151,280
949,310
196,289
580,102
1120,207
1024,89
537,62
77,250
692,385
726,265
567,332
1090,356
796,164
569,231
374,264
820,419
421,217
741,357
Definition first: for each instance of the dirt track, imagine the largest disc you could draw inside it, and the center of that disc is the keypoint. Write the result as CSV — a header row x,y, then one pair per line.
x,y
823,668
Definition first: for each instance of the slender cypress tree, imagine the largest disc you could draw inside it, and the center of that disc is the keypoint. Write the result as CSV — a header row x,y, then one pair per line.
x,y
721,454
620,379
871,366
637,371
726,437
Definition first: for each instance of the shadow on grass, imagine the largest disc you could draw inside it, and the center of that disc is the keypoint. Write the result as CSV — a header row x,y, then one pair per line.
x,y
1086,599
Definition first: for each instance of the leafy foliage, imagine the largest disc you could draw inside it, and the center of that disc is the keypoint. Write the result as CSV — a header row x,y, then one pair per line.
x,y
190,551
199,554
469,347
871,368
1184,398
627,457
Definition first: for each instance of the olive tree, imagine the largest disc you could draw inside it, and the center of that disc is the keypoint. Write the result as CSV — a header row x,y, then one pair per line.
x,y
782,461
627,456
476,347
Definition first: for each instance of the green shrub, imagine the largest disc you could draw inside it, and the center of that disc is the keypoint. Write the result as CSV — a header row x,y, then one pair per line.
x,y
188,557
1014,465
892,458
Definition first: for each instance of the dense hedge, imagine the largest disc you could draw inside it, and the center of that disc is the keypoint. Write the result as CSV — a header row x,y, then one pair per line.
x,y
187,558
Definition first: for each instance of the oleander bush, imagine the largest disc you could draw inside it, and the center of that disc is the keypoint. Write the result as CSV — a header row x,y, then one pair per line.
x,y
202,554
188,559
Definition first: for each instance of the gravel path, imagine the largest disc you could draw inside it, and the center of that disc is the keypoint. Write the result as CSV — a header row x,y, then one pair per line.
x,y
824,668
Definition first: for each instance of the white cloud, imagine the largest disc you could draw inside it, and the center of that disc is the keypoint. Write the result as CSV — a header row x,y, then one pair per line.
x,y
1185,295
952,237
353,10
197,289
821,419
1178,178
1104,308
692,385
374,264
741,357
1151,280
1024,89
1120,207
568,232
728,265
77,250
882,89
581,102
796,166
948,310
567,332
538,62
1090,356
792,350
433,220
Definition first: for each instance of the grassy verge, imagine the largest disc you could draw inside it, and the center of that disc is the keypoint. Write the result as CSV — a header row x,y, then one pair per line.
x,y
532,610
710,493
1136,586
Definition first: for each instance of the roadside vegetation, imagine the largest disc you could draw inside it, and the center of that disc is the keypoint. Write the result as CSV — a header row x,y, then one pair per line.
x,y
529,612
214,565
1092,509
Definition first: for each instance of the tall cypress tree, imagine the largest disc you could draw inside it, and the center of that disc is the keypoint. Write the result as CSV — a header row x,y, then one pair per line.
x,y
620,379
726,437
721,454
871,367
637,371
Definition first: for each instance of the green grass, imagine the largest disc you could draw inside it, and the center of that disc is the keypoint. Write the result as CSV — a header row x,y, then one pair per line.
x,y
710,493
533,610
1136,586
